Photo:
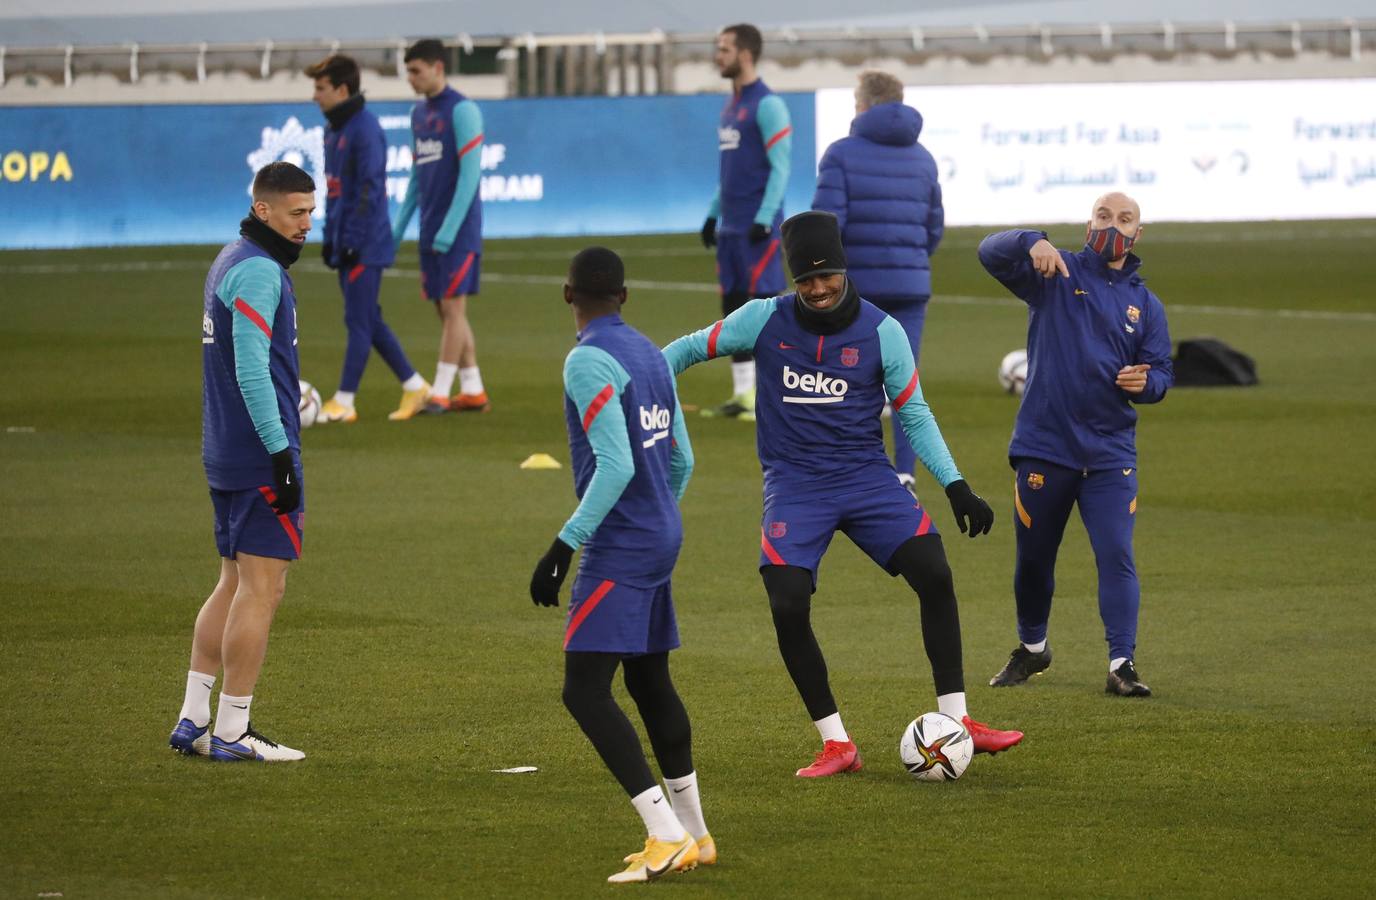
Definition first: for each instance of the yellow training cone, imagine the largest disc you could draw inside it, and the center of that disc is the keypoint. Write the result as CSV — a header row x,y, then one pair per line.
x,y
541,461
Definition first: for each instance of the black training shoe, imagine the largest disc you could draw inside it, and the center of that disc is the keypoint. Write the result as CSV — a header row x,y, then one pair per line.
x,y
1124,682
1022,665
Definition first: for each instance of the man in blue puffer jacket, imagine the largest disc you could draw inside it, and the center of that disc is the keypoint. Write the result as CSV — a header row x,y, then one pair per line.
x,y
882,186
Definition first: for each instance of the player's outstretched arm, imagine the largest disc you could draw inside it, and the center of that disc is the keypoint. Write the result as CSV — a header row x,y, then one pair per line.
x,y
737,333
468,134
1005,255
681,456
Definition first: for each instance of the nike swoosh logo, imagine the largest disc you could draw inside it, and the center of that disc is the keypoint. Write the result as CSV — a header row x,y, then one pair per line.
x,y
783,346
654,873
657,799
1080,293
680,790
1127,471
818,262
207,686
237,706
288,478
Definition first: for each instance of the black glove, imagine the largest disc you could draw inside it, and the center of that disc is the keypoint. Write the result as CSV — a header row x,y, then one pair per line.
x,y
549,574
709,232
288,483
759,233
348,259
966,504
326,253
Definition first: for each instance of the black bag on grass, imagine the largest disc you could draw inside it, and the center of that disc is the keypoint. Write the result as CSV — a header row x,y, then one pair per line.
x,y
1208,362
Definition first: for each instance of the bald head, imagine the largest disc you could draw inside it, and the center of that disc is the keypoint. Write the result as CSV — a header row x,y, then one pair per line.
x,y
1118,210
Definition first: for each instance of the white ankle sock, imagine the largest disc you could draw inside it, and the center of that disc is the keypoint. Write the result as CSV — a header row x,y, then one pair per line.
x,y
470,380
743,378
831,728
414,383
231,718
683,794
952,705
196,703
658,815
1035,648
344,398
1115,663
444,379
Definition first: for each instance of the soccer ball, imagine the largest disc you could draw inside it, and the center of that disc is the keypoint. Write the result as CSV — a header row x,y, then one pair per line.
x,y
309,405
936,747
1013,372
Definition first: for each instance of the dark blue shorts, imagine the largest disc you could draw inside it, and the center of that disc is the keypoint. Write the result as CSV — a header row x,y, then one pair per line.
x,y
606,617
449,274
797,529
245,523
750,269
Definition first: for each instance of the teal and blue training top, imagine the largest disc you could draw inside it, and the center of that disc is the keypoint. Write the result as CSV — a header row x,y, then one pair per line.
x,y
755,139
251,377
818,398
446,175
631,455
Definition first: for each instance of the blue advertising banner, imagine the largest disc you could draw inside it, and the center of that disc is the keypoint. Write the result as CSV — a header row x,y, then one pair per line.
x,y
118,175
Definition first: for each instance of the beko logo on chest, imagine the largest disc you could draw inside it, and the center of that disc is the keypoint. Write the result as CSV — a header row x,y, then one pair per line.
x,y
825,388
655,421
728,138
428,150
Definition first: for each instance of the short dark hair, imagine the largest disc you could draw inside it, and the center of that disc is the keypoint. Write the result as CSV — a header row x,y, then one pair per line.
x,y
428,50
597,273
340,69
748,37
279,178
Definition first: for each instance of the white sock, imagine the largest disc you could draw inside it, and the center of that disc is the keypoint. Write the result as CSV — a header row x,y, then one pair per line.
x,y
683,794
444,379
1115,663
831,728
414,383
196,704
1035,648
658,815
952,705
743,378
231,719
344,398
470,380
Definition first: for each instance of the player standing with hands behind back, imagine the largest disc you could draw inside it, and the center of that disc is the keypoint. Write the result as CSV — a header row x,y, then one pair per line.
x,y
445,181
1096,344
755,139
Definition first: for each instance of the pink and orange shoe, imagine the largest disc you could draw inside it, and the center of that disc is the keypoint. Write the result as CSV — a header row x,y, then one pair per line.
x,y
990,740
470,403
836,757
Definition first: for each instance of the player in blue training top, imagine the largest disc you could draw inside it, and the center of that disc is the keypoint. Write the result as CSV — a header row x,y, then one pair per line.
x,y
756,143
358,237
1097,343
827,359
631,463
445,184
251,448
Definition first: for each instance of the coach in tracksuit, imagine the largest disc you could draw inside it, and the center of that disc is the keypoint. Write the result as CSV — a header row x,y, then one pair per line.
x,y
1096,344
882,186
358,234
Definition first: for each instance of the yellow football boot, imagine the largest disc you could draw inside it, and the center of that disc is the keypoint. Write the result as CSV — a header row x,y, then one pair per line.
x,y
412,403
658,858
707,850
334,411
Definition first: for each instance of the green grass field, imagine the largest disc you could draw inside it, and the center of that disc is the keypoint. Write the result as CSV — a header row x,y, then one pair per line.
x,y
408,661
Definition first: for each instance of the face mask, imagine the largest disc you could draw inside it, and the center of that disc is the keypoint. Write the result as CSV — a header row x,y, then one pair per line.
x,y
1109,243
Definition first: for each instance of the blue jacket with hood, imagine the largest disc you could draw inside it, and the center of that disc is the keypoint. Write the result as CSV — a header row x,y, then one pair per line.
x,y
1080,331
882,186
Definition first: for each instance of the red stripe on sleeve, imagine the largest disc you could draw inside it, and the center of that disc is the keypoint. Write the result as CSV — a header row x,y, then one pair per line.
x,y
769,552
253,316
470,145
596,405
712,340
907,392
586,609
271,497
785,132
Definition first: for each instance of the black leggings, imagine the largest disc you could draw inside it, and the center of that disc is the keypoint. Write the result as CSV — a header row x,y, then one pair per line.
x,y
588,696
922,563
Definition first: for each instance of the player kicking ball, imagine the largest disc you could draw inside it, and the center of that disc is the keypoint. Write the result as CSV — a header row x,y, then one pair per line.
x,y
826,361
631,464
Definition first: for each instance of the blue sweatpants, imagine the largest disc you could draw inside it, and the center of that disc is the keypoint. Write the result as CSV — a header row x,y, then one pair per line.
x,y
367,331
1042,497
911,314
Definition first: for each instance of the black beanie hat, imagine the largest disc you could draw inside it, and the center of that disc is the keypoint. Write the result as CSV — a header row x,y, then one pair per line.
x,y
812,244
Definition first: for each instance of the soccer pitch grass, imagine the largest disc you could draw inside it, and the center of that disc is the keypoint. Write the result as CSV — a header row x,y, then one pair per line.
x,y
408,661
